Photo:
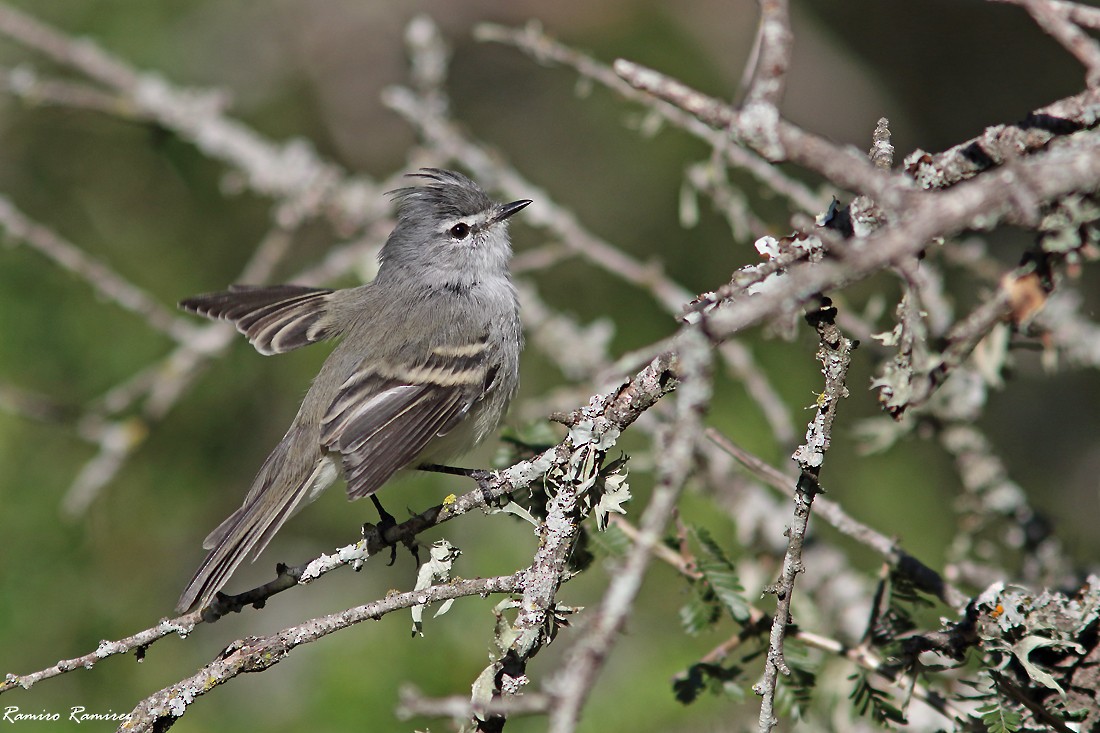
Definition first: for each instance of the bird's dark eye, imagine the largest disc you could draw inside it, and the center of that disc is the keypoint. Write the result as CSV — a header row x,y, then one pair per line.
x,y
460,230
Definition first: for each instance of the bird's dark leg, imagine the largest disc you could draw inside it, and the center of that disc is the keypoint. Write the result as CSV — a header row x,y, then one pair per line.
x,y
480,476
452,470
386,521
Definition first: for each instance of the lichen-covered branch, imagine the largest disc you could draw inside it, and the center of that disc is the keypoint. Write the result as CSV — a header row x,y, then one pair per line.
x,y
572,684
835,354
161,710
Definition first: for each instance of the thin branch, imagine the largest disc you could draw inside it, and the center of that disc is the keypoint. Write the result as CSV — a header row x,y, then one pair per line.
x,y
999,144
709,178
1073,336
1086,16
183,626
578,350
961,341
24,83
79,54
759,117
992,495
835,354
1083,15
662,552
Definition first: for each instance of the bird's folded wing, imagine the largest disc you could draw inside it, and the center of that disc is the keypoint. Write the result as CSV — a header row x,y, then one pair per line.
x,y
385,415
275,319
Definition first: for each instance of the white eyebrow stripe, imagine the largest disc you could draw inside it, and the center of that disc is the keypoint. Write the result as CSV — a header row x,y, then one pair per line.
x,y
475,221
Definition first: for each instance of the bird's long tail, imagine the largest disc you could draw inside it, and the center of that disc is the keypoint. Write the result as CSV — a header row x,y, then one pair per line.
x,y
278,491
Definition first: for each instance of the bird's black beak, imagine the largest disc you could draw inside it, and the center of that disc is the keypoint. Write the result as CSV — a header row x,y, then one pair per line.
x,y
509,209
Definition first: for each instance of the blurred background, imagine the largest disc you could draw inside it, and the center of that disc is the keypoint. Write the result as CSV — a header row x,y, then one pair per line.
x,y
170,220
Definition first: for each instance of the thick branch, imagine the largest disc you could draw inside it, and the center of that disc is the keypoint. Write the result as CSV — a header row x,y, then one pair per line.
x,y
982,202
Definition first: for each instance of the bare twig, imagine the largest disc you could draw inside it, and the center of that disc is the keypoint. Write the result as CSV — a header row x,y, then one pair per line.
x,y
1057,20
961,341
1075,337
662,552
461,708
24,83
759,116
543,48
844,167
992,496
708,178
183,626
923,577
999,144
107,283
774,40
1083,15
292,173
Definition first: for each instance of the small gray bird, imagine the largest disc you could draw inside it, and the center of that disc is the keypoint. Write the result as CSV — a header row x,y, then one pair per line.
x,y
427,366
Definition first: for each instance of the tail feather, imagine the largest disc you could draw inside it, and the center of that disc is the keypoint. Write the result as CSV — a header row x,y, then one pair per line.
x,y
215,537
274,499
